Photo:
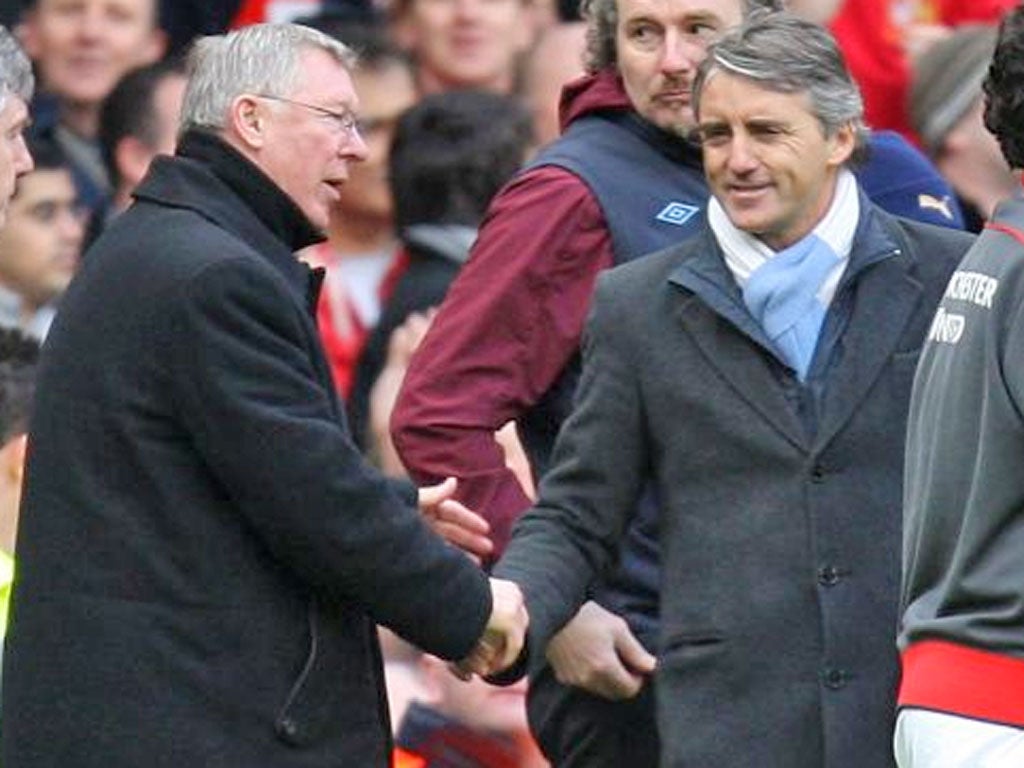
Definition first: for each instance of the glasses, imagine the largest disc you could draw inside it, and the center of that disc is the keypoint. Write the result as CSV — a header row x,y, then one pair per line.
x,y
344,122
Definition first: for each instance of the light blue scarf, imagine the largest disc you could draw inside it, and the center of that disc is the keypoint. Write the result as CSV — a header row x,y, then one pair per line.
x,y
789,292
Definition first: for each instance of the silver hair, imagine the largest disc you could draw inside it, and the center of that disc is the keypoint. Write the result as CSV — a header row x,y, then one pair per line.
x,y
259,59
786,54
602,17
15,70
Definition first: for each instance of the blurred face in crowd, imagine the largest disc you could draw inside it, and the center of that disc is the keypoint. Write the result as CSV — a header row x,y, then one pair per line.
x,y
556,59
466,43
307,141
659,45
83,47
41,243
767,158
133,155
385,93
14,157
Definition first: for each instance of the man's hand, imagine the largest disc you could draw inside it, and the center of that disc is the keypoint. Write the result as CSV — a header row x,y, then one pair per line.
x,y
502,641
597,652
454,522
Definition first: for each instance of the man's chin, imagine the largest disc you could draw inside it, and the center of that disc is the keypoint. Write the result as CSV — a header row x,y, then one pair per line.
x,y
677,122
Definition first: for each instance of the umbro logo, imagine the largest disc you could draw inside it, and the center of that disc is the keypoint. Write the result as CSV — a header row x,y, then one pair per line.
x,y
677,213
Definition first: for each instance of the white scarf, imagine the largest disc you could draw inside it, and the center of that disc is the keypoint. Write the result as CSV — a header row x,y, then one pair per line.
x,y
790,295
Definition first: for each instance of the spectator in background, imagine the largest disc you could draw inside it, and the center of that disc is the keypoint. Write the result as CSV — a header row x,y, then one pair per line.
x,y
139,121
464,43
41,243
18,357
451,154
947,112
554,60
16,85
361,242
81,49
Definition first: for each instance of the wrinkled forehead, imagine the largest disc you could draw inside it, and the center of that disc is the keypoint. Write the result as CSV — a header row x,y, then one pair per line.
x,y
727,98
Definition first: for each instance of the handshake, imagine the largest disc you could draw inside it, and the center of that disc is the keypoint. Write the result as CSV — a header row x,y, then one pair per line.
x,y
502,641
504,635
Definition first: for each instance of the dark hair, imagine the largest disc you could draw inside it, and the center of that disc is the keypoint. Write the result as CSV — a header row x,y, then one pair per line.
x,y
452,152
1004,89
18,358
129,110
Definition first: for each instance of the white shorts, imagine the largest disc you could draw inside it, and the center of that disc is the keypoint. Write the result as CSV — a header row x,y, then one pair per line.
x,y
927,739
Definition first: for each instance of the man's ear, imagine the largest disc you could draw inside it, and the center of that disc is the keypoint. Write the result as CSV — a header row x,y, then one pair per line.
x,y
132,157
28,35
247,121
12,459
843,142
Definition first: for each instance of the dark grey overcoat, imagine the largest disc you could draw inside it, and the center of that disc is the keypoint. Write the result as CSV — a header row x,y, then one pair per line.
x,y
780,532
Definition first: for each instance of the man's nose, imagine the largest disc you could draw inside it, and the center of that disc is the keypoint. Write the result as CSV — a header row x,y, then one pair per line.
x,y
742,157
354,147
23,162
683,53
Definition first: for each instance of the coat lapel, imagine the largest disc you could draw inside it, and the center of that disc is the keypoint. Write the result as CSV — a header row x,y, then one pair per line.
x,y
711,312
885,301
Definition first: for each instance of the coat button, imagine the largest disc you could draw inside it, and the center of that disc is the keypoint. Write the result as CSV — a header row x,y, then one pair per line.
x,y
829,575
818,473
835,678
287,729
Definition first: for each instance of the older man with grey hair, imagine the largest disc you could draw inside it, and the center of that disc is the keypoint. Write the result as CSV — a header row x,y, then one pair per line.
x,y
16,85
203,554
758,376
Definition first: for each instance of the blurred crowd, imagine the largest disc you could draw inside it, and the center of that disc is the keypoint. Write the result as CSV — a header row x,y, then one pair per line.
x,y
456,97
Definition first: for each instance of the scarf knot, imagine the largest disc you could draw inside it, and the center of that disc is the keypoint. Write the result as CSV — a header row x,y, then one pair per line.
x,y
788,292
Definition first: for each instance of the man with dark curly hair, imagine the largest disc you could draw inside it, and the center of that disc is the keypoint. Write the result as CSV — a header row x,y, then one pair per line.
x,y
962,634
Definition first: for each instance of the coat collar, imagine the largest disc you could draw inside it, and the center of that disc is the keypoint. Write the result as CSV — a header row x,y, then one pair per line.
x,y
711,309
210,178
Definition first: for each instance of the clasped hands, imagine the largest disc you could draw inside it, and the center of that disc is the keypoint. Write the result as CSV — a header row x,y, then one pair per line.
x,y
505,632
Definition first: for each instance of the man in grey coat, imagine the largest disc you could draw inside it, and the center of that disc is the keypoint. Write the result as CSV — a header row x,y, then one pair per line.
x,y
203,555
758,376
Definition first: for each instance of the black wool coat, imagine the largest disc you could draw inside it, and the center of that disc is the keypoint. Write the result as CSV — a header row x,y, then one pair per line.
x,y
203,553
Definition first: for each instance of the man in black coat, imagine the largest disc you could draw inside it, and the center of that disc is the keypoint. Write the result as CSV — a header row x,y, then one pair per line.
x,y
203,554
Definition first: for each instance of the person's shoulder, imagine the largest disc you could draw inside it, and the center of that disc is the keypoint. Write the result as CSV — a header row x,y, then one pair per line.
x,y
544,200
642,276
925,237
932,251
547,180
